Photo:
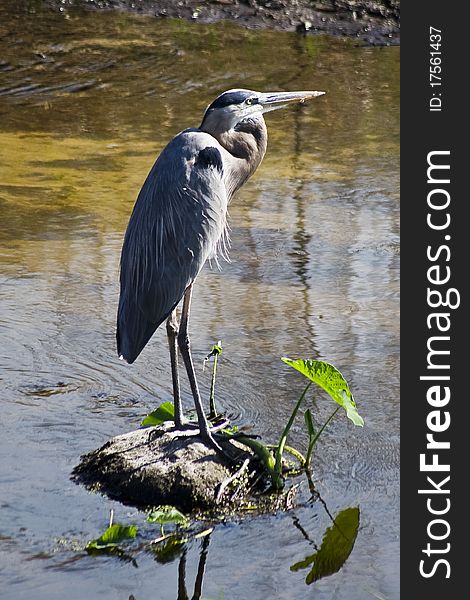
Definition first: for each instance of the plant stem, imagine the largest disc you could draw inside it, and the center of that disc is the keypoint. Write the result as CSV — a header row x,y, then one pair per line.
x,y
295,453
212,409
313,441
266,458
282,441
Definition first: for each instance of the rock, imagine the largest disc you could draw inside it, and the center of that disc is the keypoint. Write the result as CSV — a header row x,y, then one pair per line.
x,y
157,465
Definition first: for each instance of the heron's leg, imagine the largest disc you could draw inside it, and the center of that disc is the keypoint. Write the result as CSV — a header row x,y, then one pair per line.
x,y
172,333
184,346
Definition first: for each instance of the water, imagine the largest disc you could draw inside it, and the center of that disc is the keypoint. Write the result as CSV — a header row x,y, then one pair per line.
x,y
86,103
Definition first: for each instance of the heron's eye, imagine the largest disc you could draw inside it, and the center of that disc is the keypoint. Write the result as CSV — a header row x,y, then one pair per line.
x,y
251,101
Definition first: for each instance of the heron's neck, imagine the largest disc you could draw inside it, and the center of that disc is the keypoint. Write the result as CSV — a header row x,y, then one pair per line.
x,y
246,143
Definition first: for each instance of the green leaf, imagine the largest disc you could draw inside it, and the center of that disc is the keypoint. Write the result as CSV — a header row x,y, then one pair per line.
x,y
309,423
112,537
165,412
167,514
337,544
312,436
330,379
216,349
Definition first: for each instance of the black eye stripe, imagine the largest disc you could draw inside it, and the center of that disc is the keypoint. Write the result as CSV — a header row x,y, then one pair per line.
x,y
229,98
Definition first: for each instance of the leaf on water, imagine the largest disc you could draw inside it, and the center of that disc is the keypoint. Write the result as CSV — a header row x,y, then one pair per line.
x,y
330,379
112,537
170,550
165,412
337,544
167,514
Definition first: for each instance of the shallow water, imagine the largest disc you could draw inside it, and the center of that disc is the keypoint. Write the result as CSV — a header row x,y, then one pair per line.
x,y
86,103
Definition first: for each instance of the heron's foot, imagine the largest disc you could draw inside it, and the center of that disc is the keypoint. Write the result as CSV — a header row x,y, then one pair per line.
x,y
185,424
209,439
208,432
238,434
219,424
207,436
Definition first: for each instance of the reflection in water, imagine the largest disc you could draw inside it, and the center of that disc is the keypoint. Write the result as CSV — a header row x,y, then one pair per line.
x,y
302,237
337,544
182,592
86,103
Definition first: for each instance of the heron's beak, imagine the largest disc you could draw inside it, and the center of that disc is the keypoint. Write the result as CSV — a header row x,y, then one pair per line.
x,y
275,100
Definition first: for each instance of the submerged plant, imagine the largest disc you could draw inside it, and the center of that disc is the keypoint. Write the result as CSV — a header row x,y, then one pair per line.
x,y
110,541
164,515
168,546
165,548
112,537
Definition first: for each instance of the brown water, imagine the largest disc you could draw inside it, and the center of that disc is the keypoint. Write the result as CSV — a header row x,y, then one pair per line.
x,y
86,103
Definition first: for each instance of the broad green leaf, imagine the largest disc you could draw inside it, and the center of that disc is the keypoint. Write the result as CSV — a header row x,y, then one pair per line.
x,y
113,536
167,514
330,379
165,412
337,544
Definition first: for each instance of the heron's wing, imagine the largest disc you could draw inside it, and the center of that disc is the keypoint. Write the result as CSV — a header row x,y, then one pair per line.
x,y
178,220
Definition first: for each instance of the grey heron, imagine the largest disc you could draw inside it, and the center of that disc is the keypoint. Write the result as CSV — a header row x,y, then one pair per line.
x,y
180,220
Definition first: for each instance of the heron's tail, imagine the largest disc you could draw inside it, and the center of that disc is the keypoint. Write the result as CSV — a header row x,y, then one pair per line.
x,y
133,332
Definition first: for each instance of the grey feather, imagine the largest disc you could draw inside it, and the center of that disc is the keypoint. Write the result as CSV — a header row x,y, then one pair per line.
x,y
178,222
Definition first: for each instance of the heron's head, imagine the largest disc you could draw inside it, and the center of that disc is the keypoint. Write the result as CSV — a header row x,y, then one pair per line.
x,y
237,105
